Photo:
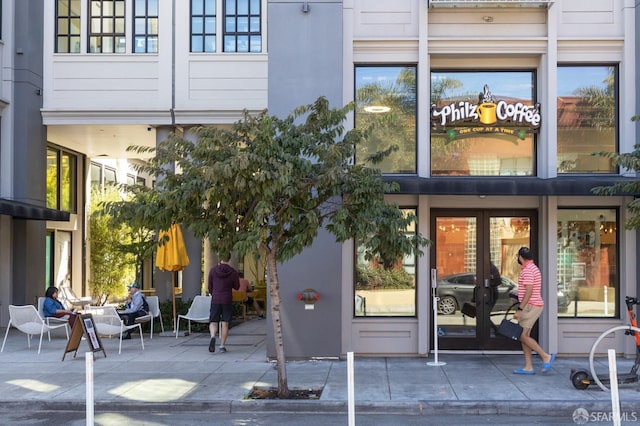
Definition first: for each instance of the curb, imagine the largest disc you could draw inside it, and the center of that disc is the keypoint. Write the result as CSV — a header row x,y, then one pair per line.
x,y
418,408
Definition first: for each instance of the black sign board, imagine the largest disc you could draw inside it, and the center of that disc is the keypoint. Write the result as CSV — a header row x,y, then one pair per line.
x,y
84,326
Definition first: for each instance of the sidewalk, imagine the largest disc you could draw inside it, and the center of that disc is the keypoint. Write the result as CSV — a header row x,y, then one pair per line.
x,y
183,374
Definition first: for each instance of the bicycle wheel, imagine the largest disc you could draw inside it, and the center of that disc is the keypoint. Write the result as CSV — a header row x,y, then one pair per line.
x,y
595,346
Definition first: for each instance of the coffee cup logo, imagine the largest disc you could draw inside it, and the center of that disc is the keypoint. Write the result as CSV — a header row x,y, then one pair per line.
x,y
487,113
487,108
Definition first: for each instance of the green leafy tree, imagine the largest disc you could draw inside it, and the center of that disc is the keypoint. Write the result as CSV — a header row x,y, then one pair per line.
x,y
629,161
267,185
110,269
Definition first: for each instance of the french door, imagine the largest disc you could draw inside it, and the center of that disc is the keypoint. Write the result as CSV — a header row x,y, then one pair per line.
x,y
477,272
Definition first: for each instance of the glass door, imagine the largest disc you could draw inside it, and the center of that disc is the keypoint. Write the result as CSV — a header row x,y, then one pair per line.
x,y
475,257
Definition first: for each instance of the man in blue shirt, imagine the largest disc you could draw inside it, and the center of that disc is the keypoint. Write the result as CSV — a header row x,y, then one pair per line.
x,y
134,307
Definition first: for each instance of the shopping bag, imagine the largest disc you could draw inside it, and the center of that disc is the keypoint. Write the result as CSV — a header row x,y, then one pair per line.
x,y
510,329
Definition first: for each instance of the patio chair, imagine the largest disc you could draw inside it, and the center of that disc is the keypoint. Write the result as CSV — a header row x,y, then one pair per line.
x,y
198,312
108,323
52,320
146,318
70,300
239,296
154,312
26,319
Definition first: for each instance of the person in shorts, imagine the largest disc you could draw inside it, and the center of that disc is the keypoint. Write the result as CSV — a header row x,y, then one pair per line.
x,y
221,282
530,309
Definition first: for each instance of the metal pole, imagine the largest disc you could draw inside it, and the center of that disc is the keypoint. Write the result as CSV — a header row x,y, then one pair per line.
x,y
613,379
88,358
351,389
434,281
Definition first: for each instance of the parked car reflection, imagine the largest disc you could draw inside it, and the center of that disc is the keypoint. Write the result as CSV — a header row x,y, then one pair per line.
x,y
456,289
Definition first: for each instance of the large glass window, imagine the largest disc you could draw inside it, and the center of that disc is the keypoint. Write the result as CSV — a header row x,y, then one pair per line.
x,y
67,26
587,116
588,283
483,123
61,178
386,100
242,27
107,26
145,26
203,25
385,290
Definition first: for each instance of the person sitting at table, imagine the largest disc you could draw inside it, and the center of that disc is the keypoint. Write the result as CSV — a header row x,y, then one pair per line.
x,y
249,301
54,308
134,308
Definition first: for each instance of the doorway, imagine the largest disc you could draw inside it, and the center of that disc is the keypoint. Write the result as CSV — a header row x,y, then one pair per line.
x,y
477,272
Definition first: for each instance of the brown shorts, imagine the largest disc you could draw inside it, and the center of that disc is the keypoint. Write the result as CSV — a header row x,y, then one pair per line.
x,y
529,316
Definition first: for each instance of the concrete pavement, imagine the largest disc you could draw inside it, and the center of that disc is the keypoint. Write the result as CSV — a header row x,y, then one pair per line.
x,y
183,374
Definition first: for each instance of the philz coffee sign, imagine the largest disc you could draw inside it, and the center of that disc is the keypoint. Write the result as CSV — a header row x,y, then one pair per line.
x,y
491,116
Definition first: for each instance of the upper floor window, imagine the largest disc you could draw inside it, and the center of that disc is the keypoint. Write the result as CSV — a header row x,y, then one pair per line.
x,y
203,26
386,99
107,26
242,27
483,123
61,178
587,117
67,26
145,26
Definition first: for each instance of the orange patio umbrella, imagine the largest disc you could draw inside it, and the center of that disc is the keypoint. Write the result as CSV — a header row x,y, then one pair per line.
x,y
172,256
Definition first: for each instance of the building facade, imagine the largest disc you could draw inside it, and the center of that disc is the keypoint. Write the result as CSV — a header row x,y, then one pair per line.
x,y
495,106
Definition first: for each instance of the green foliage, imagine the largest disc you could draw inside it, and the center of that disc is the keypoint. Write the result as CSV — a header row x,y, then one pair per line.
x,y
267,185
270,183
375,278
110,269
629,161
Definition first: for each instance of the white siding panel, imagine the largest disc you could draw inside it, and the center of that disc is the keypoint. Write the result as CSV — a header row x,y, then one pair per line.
x,y
386,19
105,82
602,18
506,24
223,82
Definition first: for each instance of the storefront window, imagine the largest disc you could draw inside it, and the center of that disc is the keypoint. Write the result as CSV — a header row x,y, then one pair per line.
x,y
483,123
587,263
386,99
386,290
587,111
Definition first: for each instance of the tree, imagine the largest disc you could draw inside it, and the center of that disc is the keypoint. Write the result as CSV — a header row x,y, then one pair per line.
x,y
267,185
629,161
110,269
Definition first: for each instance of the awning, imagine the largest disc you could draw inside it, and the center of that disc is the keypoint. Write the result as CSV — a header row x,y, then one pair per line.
x,y
565,185
20,210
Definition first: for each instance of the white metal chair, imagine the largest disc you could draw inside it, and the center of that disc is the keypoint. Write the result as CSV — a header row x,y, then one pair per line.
x,y
52,320
108,323
198,312
154,312
69,298
26,319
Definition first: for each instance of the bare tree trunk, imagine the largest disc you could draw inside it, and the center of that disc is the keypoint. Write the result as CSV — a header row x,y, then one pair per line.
x,y
274,293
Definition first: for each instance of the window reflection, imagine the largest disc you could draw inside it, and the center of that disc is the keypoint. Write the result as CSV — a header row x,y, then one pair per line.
x,y
483,123
386,290
386,99
587,109
587,262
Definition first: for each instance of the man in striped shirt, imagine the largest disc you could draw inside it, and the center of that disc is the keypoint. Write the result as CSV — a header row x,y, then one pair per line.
x,y
530,309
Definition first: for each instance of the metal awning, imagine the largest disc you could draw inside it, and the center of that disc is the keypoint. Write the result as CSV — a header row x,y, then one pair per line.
x,y
565,185
20,210
491,3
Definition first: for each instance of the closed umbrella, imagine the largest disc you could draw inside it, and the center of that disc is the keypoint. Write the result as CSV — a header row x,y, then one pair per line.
x,y
172,256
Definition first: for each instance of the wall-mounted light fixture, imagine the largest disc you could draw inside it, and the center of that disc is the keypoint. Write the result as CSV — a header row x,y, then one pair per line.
x,y
305,7
488,19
